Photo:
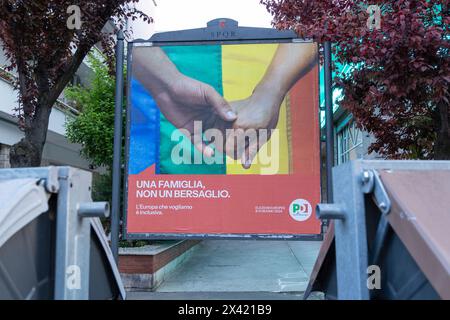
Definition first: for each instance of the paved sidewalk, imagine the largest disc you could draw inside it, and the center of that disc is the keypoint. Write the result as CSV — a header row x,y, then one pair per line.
x,y
232,268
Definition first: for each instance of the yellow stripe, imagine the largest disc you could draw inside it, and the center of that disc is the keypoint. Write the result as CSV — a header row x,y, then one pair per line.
x,y
243,66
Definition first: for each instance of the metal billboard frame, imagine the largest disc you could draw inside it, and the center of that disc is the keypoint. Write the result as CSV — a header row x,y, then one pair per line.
x,y
220,31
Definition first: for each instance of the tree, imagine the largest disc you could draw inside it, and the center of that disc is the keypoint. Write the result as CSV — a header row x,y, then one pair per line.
x,y
45,44
93,128
398,89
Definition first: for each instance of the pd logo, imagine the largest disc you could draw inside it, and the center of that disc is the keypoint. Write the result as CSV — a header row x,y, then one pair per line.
x,y
300,210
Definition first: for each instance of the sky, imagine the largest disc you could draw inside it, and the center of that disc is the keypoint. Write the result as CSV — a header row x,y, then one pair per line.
x,y
170,15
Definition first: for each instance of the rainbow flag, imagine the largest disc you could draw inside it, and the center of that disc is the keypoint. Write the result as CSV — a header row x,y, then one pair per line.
x,y
234,71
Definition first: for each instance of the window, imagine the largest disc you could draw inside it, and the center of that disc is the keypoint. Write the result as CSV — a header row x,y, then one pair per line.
x,y
4,156
349,139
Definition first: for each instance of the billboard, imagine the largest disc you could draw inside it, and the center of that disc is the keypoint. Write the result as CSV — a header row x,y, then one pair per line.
x,y
223,140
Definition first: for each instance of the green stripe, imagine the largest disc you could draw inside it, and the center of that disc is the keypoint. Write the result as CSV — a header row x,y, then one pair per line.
x,y
203,63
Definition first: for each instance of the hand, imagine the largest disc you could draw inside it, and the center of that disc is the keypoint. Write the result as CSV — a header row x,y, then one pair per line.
x,y
186,101
181,99
259,112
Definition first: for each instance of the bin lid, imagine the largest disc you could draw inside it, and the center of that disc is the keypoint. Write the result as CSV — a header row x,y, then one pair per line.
x,y
21,201
324,252
420,216
100,233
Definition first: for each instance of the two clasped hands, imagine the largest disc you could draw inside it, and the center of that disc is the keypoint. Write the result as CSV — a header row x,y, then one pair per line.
x,y
184,100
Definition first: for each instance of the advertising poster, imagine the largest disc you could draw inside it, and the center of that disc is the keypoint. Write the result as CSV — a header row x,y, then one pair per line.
x,y
223,140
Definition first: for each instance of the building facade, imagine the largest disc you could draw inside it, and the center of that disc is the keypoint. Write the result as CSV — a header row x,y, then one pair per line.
x,y
57,150
350,143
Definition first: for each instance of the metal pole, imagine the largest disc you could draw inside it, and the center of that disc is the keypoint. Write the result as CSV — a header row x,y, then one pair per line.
x,y
329,120
117,166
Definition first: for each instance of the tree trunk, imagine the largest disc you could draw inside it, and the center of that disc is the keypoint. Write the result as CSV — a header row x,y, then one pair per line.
x,y
442,145
28,151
